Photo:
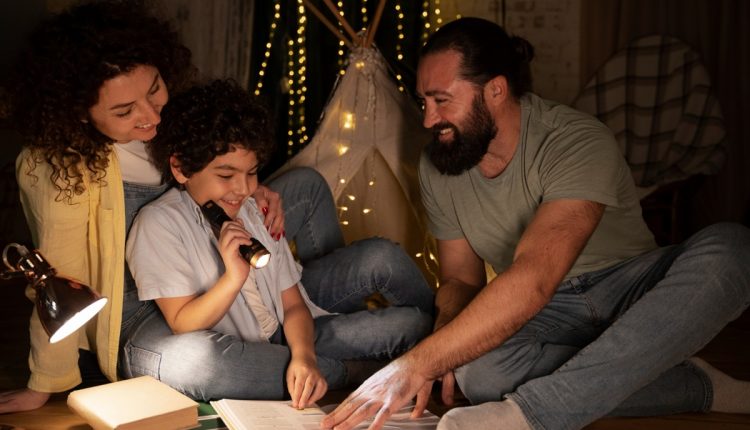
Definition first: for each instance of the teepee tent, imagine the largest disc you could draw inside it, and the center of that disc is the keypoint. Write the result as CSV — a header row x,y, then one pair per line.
x,y
367,147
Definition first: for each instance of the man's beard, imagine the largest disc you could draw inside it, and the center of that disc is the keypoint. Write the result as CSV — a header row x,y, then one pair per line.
x,y
467,147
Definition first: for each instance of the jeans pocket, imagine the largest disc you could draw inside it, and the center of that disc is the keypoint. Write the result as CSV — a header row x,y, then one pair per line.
x,y
141,362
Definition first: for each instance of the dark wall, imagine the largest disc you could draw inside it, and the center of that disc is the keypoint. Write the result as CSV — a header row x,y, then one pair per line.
x,y
17,18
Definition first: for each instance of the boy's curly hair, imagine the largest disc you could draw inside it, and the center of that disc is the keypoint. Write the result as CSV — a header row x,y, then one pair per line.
x,y
59,74
206,121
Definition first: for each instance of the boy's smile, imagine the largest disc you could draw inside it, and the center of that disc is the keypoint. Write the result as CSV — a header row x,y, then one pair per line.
x,y
227,180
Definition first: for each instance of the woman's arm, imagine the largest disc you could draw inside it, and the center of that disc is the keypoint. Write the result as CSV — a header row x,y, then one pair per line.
x,y
59,231
304,381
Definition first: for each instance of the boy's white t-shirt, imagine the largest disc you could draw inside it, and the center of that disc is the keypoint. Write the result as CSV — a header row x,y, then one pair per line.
x,y
171,251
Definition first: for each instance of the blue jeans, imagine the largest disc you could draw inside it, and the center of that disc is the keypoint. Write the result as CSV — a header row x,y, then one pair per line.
x,y
615,341
209,365
338,278
133,310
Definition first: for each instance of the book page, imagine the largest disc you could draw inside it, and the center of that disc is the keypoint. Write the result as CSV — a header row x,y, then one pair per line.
x,y
270,414
267,414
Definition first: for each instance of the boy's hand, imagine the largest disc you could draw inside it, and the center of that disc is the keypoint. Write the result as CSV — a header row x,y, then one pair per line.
x,y
269,202
233,234
305,383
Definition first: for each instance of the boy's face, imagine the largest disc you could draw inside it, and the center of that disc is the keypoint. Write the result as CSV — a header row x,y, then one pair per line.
x,y
227,180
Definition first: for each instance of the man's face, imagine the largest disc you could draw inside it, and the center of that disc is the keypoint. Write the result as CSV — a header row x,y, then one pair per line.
x,y
455,112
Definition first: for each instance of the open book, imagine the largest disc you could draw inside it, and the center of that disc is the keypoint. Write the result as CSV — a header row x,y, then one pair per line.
x,y
279,414
140,404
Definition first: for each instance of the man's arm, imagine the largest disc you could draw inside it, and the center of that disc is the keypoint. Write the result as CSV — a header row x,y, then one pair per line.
x,y
462,276
546,252
544,255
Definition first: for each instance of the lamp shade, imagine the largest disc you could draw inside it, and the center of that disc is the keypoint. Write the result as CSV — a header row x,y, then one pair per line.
x,y
63,305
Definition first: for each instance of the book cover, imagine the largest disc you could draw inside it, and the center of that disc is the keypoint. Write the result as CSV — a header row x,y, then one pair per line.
x,y
140,403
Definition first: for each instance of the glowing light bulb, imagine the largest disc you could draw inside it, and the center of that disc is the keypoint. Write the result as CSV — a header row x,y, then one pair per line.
x,y
351,197
343,149
347,120
366,211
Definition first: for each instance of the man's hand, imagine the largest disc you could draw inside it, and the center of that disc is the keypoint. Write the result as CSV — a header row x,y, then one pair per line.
x,y
22,400
382,394
269,202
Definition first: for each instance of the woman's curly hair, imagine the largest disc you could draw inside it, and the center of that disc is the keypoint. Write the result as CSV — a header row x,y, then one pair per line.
x,y
205,122
59,74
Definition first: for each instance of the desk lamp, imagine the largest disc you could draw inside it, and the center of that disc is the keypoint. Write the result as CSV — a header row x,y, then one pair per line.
x,y
63,304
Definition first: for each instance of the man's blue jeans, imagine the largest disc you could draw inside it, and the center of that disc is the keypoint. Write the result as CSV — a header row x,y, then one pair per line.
x,y
615,341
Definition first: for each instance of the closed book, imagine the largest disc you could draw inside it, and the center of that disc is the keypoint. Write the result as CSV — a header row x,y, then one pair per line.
x,y
141,403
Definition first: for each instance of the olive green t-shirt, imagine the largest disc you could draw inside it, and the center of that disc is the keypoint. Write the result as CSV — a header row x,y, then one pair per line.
x,y
561,154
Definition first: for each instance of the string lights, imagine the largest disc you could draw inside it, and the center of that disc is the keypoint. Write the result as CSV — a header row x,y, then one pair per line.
x,y
342,45
269,44
296,83
354,201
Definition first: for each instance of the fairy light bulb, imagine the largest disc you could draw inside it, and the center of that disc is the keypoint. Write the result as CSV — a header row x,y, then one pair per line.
x,y
348,121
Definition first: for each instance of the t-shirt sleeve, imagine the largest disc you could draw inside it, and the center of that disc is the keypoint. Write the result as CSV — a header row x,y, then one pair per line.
x,y
441,221
286,270
582,161
157,256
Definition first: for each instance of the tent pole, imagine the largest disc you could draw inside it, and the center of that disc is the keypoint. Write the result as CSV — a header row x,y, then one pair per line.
x,y
327,23
343,22
374,26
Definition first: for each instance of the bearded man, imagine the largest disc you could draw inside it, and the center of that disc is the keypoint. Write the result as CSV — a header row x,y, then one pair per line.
x,y
587,316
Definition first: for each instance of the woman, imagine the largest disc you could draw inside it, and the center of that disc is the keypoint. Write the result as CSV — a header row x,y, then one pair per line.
x,y
89,93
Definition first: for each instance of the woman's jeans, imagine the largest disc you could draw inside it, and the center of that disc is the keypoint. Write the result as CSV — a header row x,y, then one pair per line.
x,y
615,341
338,278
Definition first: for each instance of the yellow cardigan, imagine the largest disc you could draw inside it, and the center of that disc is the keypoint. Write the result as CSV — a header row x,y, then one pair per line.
x,y
83,239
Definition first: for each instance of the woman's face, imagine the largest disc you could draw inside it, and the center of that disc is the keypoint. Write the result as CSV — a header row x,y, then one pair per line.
x,y
129,105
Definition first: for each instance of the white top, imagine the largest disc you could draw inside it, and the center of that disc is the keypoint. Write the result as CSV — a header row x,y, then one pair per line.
x,y
172,252
135,163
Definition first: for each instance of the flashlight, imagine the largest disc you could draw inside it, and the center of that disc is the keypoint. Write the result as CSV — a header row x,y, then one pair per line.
x,y
256,254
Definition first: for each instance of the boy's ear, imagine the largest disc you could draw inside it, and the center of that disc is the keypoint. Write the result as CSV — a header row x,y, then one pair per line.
x,y
174,166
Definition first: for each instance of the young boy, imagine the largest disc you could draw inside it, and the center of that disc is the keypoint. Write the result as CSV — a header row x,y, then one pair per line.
x,y
266,331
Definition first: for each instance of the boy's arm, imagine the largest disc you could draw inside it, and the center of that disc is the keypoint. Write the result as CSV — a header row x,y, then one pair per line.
x,y
201,312
305,383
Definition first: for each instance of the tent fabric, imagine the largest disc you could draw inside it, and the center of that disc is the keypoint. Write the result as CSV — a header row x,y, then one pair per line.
x,y
367,147
656,97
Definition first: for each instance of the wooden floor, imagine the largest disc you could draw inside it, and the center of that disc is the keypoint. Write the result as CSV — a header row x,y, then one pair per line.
x,y
730,351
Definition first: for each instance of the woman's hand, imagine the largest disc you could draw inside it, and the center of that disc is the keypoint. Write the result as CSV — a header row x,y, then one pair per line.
x,y
305,383
22,400
269,202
